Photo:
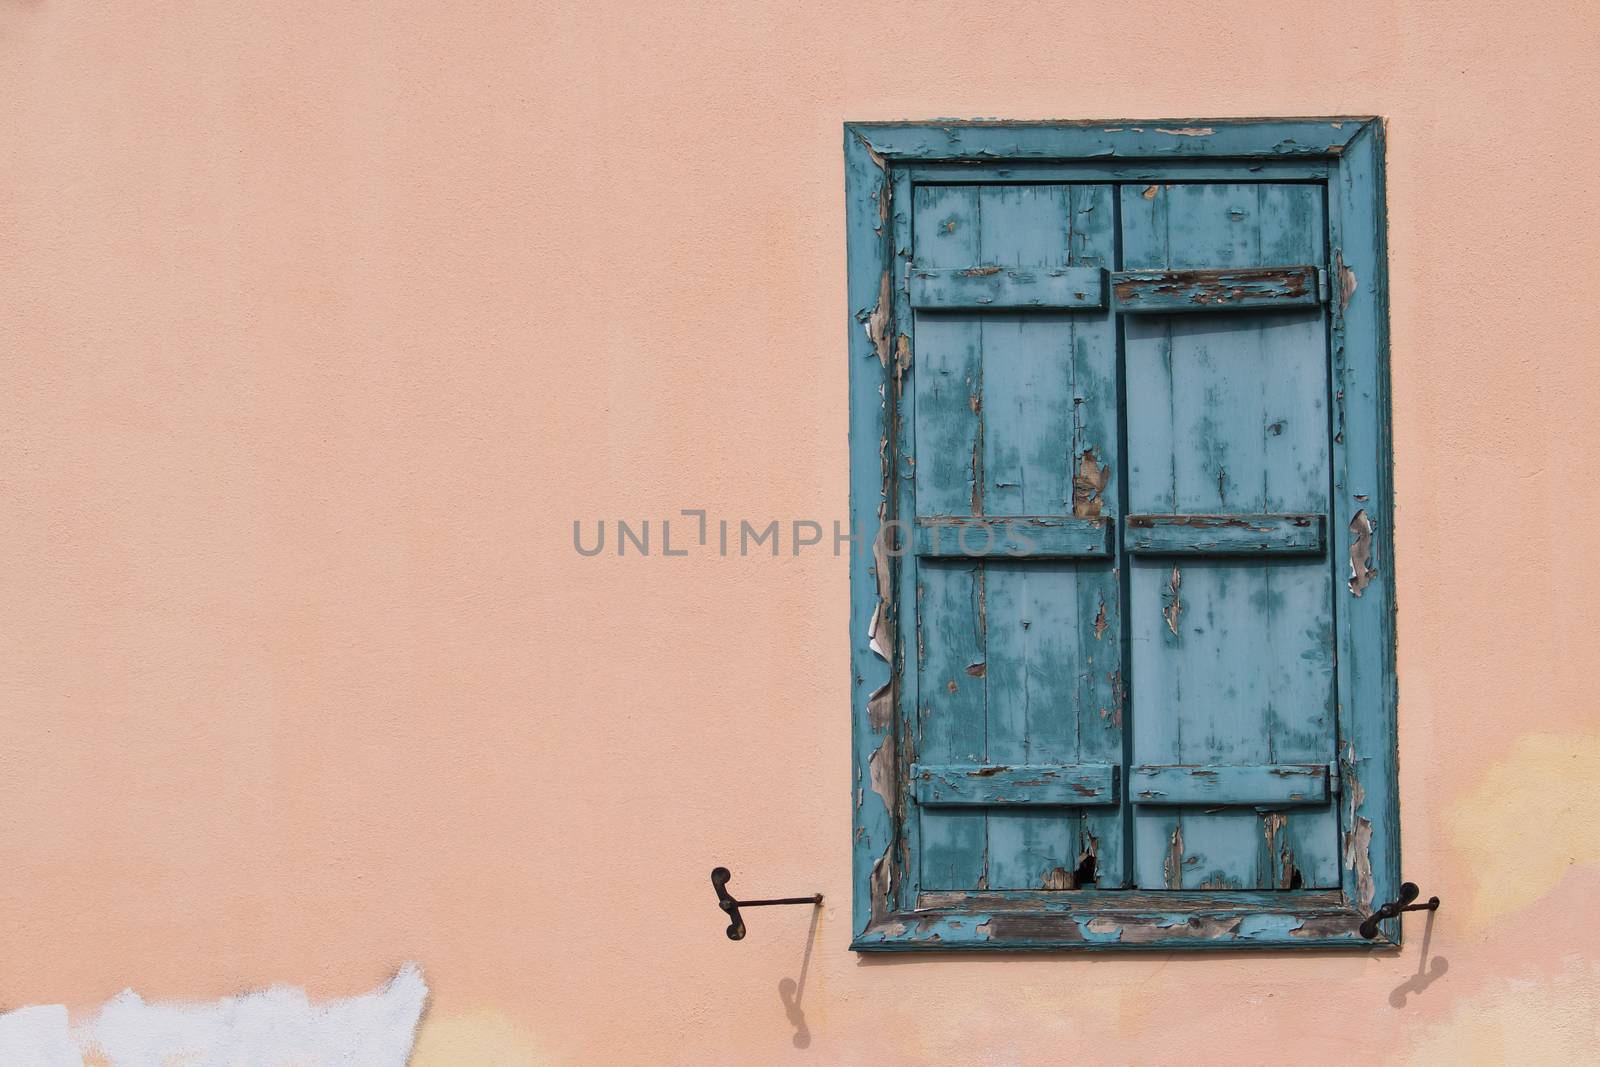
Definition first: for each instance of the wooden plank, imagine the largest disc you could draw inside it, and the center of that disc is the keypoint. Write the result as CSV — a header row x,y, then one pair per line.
x,y
1363,528
1026,371
1216,139
903,872
1032,536
1032,785
1223,535
1015,417
994,288
1110,170
1097,475
1232,289
1229,785
1041,372
869,257
946,380
1121,920
1025,405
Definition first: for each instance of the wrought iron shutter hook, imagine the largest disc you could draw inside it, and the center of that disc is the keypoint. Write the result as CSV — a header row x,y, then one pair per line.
x,y
1408,893
725,901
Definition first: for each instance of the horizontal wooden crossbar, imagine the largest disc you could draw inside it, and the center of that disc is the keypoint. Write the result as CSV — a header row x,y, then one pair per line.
x,y
1257,785
1223,535
1262,288
1017,537
990,288
1031,785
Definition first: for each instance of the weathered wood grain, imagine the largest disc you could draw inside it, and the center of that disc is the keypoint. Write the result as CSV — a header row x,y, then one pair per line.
x,y
1028,537
1229,785
994,288
1033,785
1223,535
1138,292
1240,140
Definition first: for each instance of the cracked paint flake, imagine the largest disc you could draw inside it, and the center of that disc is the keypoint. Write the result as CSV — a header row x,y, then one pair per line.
x,y
877,322
1187,131
977,474
882,886
880,629
1089,485
1358,856
1358,838
902,353
874,628
1172,865
880,771
1195,927
1347,280
1321,926
1362,569
1280,857
277,1026
1174,602
1141,930
880,708
872,153
1113,715
1058,878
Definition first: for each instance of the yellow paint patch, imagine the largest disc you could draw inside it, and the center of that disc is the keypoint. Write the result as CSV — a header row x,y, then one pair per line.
x,y
1530,818
1548,1020
481,1039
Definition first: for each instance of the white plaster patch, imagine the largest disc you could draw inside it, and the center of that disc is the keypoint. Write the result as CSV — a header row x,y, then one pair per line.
x,y
275,1028
38,1037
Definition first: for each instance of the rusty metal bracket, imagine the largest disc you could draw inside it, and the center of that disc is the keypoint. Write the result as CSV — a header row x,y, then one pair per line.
x,y
1408,893
725,901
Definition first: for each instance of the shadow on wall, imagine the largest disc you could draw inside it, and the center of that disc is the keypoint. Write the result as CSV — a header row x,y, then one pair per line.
x,y
1427,972
790,990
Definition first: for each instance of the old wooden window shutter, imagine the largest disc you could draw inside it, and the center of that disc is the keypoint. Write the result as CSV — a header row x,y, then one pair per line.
x,y
1124,666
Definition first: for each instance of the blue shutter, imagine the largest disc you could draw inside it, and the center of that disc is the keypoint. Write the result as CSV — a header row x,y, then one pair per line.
x,y
1020,774
1017,657
1231,589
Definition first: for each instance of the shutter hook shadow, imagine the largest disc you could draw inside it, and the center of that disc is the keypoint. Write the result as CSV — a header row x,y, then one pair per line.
x,y
1426,974
790,990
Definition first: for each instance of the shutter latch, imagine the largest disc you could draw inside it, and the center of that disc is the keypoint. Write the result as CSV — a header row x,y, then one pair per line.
x,y
725,901
1408,893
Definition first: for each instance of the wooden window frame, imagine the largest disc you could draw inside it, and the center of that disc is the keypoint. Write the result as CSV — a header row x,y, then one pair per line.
x,y
882,161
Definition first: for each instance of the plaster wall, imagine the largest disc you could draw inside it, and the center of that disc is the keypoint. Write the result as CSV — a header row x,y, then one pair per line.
x,y
321,323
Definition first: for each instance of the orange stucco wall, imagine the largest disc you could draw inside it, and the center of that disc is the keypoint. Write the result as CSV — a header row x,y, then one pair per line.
x,y
321,322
